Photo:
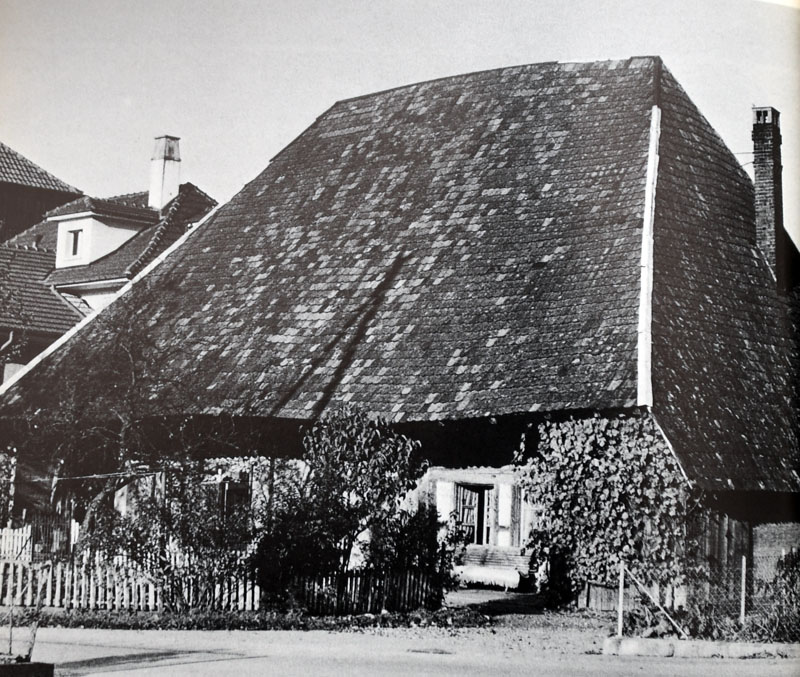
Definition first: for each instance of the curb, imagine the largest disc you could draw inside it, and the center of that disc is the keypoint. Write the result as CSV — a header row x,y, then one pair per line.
x,y
669,648
26,669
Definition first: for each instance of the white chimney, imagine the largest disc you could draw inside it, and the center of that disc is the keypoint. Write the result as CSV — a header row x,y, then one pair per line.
x,y
165,171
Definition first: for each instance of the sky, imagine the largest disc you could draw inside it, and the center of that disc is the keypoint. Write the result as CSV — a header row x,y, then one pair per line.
x,y
85,85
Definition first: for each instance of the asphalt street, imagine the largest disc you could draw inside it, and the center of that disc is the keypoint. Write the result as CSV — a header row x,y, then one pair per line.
x,y
382,652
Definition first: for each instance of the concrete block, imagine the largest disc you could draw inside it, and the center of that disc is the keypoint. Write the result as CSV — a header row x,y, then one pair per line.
x,y
660,648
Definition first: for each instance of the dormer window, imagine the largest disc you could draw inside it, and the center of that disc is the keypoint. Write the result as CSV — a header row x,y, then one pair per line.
x,y
74,242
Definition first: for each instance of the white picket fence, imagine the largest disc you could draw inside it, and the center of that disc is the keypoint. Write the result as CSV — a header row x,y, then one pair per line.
x,y
16,544
72,585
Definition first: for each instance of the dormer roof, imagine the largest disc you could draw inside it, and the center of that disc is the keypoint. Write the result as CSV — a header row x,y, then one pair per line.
x,y
189,206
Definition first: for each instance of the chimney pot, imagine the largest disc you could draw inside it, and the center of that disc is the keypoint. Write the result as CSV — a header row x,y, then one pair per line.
x,y
165,171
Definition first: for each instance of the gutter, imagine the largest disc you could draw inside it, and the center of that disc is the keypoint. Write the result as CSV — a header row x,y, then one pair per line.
x,y
644,348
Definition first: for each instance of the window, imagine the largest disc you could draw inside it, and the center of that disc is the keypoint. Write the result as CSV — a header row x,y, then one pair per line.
x,y
73,242
473,512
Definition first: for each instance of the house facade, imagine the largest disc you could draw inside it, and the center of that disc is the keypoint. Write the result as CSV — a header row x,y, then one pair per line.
x,y
474,256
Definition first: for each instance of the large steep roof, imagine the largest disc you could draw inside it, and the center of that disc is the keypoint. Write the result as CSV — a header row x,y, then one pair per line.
x,y
456,248
472,246
724,368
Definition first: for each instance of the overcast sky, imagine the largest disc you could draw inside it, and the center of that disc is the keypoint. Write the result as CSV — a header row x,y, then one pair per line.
x,y
86,84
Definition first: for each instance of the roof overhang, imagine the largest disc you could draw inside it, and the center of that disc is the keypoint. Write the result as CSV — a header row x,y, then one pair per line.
x,y
94,285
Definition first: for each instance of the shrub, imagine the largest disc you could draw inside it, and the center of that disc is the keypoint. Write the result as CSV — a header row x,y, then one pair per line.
x,y
418,540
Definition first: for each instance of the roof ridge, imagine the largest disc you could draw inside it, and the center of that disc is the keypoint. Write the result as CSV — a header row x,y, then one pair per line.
x,y
124,195
157,237
629,60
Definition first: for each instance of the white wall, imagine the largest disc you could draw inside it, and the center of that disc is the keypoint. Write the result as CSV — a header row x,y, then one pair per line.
x,y
98,238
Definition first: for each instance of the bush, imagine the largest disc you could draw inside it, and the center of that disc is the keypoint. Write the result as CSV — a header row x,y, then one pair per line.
x,y
780,622
354,473
610,488
249,620
418,541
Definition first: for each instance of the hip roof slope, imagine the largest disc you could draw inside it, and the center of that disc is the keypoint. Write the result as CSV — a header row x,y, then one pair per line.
x,y
455,248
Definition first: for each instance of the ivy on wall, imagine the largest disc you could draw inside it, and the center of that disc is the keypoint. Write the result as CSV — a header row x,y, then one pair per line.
x,y
606,488
7,466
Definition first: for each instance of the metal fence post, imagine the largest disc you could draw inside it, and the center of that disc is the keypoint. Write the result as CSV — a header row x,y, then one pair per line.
x,y
744,590
621,600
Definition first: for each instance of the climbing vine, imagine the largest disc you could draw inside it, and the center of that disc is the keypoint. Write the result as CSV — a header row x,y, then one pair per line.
x,y
606,488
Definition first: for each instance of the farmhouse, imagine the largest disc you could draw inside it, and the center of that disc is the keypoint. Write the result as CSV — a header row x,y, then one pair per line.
x,y
475,255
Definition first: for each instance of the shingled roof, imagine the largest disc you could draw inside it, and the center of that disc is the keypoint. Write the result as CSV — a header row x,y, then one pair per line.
x,y
27,303
472,247
15,168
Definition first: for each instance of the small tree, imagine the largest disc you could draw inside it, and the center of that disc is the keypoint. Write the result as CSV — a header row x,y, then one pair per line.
x,y
608,489
176,530
359,470
117,402
353,475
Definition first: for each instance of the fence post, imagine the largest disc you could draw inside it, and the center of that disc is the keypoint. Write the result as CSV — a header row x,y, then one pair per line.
x,y
621,600
744,590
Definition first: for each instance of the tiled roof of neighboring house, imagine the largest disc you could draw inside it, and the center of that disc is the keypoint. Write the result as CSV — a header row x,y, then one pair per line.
x,y
15,168
471,247
105,208
44,235
25,303
190,205
137,200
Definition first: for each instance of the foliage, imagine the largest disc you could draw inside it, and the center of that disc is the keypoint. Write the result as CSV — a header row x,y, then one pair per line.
x,y
359,470
7,466
355,471
418,540
293,539
174,523
254,620
779,621
607,488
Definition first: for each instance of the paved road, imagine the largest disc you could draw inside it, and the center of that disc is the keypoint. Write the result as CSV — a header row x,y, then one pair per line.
x,y
385,652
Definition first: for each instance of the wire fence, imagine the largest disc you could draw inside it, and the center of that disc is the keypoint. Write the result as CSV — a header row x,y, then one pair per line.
x,y
751,597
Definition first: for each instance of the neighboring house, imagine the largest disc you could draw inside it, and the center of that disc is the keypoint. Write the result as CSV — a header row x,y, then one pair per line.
x,y
476,255
73,262
26,192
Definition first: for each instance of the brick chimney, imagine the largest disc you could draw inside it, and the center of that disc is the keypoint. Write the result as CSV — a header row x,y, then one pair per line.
x,y
165,171
770,234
